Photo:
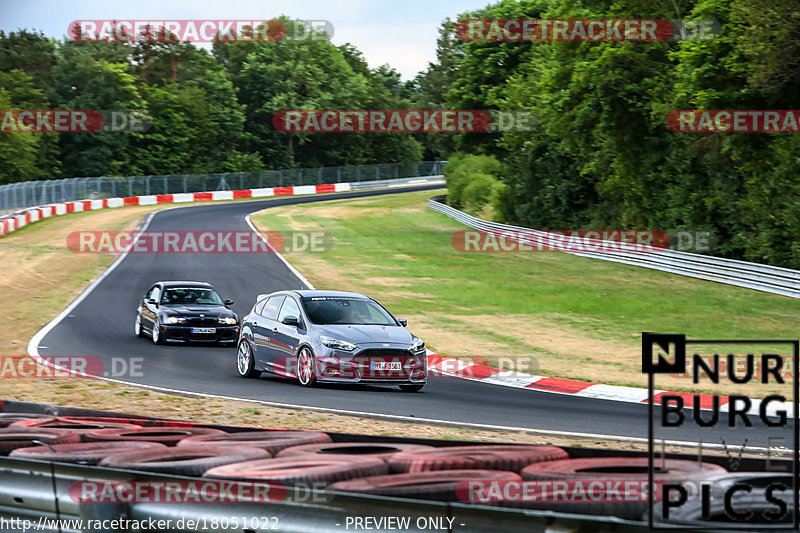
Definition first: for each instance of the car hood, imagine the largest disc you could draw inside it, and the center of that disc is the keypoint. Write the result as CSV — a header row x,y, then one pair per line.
x,y
211,311
367,334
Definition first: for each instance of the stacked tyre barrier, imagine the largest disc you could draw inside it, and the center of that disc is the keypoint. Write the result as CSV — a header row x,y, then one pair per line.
x,y
367,468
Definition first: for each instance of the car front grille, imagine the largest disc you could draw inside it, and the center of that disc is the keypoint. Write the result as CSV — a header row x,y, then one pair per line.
x,y
365,359
197,321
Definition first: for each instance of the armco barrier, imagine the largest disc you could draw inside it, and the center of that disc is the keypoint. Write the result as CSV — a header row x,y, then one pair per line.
x,y
26,194
35,489
775,280
33,214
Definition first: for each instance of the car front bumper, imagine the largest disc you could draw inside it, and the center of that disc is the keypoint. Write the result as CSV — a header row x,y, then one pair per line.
x,y
384,367
185,333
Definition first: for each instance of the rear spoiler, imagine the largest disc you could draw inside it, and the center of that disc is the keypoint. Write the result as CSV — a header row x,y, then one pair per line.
x,y
261,297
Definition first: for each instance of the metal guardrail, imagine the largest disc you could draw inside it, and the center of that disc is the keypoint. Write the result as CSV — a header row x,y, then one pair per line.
x,y
775,280
36,489
17,196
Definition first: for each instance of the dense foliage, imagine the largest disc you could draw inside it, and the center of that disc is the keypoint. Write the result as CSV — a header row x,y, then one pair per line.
x,y
210,112
602,155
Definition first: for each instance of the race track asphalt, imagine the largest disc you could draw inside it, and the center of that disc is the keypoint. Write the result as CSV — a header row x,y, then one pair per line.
x,y
102,326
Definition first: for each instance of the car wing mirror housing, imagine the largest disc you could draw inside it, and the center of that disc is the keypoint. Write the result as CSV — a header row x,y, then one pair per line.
x,y
291,321
153,302
228,302
403,322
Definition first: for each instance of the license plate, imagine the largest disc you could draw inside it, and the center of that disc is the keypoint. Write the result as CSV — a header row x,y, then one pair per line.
x,y
386,366
204,330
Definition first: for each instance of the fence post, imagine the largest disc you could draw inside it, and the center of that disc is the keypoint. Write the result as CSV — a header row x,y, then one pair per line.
x,y
280,178
358,173
338,174
184,184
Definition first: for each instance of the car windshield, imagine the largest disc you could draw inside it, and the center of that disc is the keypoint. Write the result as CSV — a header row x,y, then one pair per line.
x,y
339,310
190,295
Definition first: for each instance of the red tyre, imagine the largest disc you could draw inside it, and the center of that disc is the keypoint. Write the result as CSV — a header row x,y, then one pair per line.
x,y
89,453
441,485
165,435
490,457
183,461
609,472
624,468
13,438
271,441
144,422
81,427
6,419
318,469
378,450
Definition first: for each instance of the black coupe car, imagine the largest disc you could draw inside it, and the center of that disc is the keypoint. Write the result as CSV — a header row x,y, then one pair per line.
x,y
185,311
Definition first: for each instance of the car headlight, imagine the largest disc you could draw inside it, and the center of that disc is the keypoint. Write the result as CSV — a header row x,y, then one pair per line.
x,y
228,320
418,345
330,342
174,320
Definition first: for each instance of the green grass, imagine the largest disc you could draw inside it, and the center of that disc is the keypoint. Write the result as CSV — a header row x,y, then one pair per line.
x,y
610,300
573,317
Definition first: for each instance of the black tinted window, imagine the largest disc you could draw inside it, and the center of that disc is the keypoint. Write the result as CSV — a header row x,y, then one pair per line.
x,y
190,295
346,311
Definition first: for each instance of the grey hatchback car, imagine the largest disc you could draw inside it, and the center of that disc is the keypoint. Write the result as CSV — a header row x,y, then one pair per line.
x,y
320,336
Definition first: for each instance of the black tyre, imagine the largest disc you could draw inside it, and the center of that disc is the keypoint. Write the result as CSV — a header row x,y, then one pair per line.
x,y
244,361
306,367
411,388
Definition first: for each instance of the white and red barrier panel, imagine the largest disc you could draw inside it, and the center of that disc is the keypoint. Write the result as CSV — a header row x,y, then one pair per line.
x,y
33,214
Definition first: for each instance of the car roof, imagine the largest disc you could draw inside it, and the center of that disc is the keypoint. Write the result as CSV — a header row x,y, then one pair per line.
x,y
327,294
185,284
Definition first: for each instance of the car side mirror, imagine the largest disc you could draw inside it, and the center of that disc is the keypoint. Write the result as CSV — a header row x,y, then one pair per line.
x,y
228,302
291,321
152,302
403,322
